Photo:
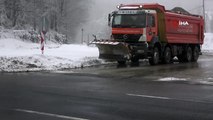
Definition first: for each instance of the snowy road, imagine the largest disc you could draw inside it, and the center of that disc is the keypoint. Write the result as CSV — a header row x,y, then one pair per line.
x,y
191,73
106,92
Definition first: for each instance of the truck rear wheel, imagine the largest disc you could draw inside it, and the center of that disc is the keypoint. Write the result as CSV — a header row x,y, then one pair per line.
x,y
167,56
181,58
155,58
195,54
188,55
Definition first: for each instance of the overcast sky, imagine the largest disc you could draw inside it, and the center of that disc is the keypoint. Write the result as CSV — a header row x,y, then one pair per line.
x,y
193,6
101,8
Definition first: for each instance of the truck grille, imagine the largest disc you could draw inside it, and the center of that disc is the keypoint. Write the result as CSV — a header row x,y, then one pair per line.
x,y
127,37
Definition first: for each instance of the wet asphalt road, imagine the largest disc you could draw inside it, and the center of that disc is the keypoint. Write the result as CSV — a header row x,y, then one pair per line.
x,y
110,92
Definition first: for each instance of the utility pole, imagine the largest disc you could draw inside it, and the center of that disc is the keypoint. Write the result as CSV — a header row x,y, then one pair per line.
x,y
34,21
88,39
82,36
204,15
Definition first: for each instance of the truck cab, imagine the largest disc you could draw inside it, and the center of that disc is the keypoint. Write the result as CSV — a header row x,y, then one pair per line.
x,y
136,26
133,24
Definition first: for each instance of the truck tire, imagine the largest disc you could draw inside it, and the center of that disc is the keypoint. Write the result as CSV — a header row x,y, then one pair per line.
x,y
155,58
195,54
123,62
180,58
188,54
167,56
135,59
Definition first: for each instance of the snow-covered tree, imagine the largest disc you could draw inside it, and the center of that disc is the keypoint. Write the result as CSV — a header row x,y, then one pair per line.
x,y
3,17
63,16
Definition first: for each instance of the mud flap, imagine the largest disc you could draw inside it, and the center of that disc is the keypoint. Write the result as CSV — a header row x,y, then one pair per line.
x,y
113,50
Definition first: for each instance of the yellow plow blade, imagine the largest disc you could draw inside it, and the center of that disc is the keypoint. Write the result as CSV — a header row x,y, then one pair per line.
x,y
112,50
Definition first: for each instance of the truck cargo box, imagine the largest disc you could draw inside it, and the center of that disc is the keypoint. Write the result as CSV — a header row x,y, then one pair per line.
x,y
182,28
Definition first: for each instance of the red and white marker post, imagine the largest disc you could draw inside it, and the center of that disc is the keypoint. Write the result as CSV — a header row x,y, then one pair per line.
x,y
42,42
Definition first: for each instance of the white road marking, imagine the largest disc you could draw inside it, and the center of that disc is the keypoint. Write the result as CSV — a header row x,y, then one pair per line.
x,y
148,96
167,98
65,72
171,79
49,114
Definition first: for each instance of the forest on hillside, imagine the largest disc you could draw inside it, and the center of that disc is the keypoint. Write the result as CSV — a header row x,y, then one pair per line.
x,y
63,16
68,17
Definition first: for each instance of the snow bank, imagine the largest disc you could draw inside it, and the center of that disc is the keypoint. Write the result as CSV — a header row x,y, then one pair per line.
x,y
208,43
16,55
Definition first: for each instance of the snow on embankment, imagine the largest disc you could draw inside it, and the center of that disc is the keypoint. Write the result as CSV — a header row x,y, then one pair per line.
x,y
16,55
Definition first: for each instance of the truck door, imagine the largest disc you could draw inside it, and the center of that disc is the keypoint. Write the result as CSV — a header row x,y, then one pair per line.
x,y
151,29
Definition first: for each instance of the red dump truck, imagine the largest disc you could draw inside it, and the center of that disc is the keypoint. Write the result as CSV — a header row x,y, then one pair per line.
x,y
148,31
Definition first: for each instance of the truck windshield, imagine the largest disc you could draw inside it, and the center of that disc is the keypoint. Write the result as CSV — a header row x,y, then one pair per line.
x,y
129,20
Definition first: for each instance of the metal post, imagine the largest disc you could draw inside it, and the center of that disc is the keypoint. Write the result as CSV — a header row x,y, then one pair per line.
x,y
82,36
34,21
204,15
88,39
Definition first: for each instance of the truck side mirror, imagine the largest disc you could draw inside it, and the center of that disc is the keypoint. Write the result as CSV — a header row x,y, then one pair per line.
x,y
109,19
95,38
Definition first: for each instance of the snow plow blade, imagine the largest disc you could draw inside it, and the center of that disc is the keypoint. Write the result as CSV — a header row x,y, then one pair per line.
x,y
112,50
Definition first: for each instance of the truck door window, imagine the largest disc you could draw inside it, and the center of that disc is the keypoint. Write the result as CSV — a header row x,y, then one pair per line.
x,y
117,20
151,20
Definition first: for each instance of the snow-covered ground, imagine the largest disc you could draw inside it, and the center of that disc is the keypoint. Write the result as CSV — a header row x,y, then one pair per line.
x,y
16,55
208,43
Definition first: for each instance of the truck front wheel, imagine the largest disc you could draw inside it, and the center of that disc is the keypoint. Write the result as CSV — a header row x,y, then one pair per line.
x,y
135,59
122,62
154,60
